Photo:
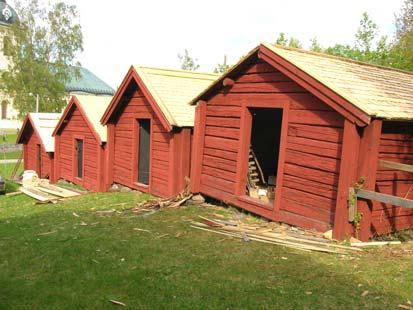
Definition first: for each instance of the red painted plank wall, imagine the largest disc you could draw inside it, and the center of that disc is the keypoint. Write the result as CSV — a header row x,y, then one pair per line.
x,y
30,160
313,146
77,127
396,145
139,107
312,164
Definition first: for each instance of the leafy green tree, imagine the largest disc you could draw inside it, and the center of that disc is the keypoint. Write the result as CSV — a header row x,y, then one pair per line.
x,y
285,41
188,62
315,45
366,34
42,47
222,68
367,47
282,39
401,55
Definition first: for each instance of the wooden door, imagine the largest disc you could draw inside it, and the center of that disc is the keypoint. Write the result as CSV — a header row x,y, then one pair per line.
x,y
144,151
39,160
79,158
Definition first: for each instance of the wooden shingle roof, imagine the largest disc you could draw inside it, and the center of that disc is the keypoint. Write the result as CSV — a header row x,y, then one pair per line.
x,y
173,90
380,92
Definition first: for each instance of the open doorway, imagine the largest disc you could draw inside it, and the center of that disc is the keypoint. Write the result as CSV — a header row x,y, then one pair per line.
x,y
263,153
144,151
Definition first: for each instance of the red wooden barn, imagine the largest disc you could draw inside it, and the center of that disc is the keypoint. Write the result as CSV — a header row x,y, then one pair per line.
x,y
80,142
38,143
150,123
286,133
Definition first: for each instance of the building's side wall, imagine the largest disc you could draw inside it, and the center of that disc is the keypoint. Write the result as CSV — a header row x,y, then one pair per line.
x,y
313,147
30,158
396,145
124,165
76,127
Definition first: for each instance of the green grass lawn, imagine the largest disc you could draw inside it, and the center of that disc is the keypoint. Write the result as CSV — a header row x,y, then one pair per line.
x,y
6,170
10,155
68,256
10,137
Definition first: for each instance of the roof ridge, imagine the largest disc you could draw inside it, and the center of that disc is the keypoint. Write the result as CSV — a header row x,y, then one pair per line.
x,y
177,70
324,55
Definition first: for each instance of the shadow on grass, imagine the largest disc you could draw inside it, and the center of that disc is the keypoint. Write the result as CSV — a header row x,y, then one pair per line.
x,y
51,258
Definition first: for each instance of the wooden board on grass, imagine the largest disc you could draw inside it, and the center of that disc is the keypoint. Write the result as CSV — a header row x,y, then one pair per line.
x,y
57,191
37,194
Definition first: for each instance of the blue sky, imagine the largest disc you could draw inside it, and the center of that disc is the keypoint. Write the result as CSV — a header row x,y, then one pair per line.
x,y
152,32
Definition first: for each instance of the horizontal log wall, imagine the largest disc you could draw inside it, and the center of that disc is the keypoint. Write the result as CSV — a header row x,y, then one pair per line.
x,y
77,126
30,162
312,164
396,145
139,107
312,153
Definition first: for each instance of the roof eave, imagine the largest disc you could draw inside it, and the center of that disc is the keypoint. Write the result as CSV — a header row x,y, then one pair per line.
x,y
74,102
134,75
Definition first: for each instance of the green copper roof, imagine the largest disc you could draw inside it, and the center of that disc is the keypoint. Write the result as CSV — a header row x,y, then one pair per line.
x,y
89,83
7,14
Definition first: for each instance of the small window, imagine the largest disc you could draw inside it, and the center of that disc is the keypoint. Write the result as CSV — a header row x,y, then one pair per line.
x,y
79,158
144,150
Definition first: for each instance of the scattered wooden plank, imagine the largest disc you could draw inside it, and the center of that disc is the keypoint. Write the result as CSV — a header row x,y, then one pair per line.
x,y
47,233
384,198
13,194
405,307
374,243
396,166
282,237
57,191
118,303
260,238
272,241
38,195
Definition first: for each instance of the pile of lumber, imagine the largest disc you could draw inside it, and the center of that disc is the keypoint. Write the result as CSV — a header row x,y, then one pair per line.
x,y
45,192
154,205
267,234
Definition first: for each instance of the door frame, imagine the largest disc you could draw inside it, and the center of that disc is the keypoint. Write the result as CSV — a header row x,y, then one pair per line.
x,y
243,150
75,160
39,160
135,152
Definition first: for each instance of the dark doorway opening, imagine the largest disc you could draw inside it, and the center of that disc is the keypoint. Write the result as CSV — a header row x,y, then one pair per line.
x,y
79,158
144,150
263,153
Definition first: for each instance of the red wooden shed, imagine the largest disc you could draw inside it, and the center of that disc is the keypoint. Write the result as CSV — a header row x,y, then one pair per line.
x,y
150,124
80,142
38,143
287,134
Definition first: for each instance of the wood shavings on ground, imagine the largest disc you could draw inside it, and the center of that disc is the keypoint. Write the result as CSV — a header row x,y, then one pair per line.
x,y
151,206
268,233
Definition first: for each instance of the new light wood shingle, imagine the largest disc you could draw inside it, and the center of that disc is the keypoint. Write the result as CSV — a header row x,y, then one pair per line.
x,y
94,107
44,124
173,90
378,91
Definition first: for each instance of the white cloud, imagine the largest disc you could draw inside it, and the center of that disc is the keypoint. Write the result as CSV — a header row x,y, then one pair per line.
x,y
152,32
